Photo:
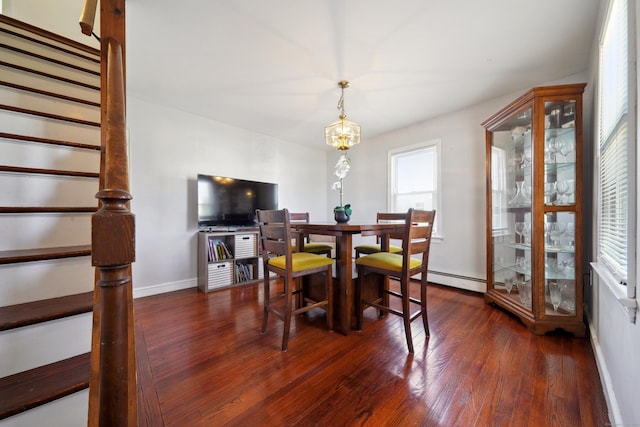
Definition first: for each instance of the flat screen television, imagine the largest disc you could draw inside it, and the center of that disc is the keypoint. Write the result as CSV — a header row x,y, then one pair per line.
x,y
231,202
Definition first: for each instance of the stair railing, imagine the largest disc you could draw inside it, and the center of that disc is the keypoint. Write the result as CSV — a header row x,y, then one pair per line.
x,y
112,387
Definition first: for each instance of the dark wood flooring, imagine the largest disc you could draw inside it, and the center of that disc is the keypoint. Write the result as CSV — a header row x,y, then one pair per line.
x,y
203,362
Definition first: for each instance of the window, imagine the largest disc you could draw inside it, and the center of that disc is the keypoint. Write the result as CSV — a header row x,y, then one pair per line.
x,y
616,164
414,179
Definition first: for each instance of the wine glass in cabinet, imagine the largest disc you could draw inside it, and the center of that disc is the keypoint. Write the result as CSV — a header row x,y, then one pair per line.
x,y
534,210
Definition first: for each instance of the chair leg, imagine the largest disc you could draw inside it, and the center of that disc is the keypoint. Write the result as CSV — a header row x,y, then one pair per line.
x,y
329,296
267,302
406,312
357,297
287,313
423,306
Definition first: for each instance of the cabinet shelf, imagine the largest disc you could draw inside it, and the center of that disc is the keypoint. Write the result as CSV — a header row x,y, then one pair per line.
x,y
227,259
534,148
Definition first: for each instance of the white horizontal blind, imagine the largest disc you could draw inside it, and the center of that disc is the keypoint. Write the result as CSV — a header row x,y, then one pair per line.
x,y
613,143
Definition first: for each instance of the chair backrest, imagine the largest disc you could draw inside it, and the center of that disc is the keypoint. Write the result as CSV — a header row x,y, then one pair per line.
x,y
275,233
417,235
299,217
387,217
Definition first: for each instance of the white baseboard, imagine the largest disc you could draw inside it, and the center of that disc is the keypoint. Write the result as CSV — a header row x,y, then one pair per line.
x,y
461,282
146,291
605,379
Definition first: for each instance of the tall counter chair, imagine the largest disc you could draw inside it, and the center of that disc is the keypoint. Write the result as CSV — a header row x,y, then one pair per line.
x,y
371,248
278,257
416,241
309,246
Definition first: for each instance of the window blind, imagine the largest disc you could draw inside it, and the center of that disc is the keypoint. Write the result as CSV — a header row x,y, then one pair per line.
x,y
613,143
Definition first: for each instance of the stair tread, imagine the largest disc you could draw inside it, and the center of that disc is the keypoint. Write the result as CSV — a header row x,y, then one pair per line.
x,y
26,255
28,389
19,315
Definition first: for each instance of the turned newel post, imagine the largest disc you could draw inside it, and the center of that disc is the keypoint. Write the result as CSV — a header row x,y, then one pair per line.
x,y
112,396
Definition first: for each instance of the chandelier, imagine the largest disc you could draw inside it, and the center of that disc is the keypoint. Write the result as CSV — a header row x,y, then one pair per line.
x,y
342,134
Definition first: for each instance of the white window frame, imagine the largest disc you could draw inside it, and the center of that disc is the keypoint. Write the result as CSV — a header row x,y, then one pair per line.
x,y
622,284
391,191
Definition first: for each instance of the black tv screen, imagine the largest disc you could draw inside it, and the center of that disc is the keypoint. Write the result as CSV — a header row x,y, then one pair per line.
x,y
231,202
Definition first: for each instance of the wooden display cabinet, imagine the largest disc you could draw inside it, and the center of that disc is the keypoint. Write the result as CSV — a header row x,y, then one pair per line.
x,y
534,208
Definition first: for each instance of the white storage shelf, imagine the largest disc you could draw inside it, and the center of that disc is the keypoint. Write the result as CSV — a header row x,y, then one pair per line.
x,y
227,259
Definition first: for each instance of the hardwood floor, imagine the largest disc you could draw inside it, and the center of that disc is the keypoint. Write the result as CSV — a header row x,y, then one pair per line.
x,y
203,362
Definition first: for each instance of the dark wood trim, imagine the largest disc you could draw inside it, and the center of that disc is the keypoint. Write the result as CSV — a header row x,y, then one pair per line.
x,y
42,254
49,141
30,313
17,169
47,209
48,75
49,59
52,36
51,94
29,389
48,115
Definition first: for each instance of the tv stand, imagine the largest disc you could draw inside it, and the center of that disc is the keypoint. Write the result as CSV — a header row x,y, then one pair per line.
x,y
228,258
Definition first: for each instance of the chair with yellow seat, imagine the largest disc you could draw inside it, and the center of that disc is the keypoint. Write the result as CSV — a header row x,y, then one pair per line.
x,y
371,248
278,257
311,247
381,266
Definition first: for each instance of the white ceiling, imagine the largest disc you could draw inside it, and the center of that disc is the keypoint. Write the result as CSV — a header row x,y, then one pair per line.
x,y
273,66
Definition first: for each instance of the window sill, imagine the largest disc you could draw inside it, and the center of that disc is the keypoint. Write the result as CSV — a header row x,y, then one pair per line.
x,y
630,305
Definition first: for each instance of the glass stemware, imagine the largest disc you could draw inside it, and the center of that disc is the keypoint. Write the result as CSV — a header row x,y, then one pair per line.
x,y
551,148
508,283
522,196
564,187
555,230
555,294
570,233
549,191
524,291
565,147
519,230
526,233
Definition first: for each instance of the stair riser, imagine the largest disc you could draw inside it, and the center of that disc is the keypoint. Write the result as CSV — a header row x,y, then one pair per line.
x,y
47,156
31,346
50,105
36,81
68,411
22,124
31,231
40,280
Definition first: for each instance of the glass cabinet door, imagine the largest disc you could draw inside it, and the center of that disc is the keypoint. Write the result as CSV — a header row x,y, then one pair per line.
x,y
534,211
559,202
511,196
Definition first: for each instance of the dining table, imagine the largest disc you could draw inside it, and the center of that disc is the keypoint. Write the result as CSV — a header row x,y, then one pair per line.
x,y
343,307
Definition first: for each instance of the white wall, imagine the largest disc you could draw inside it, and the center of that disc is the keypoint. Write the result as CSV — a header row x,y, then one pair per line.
x,y
168,148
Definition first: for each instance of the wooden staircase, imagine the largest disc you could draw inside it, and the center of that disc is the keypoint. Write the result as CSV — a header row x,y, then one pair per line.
x,y
49,175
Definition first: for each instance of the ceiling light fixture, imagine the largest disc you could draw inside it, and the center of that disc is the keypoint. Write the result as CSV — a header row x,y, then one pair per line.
x,y
342,134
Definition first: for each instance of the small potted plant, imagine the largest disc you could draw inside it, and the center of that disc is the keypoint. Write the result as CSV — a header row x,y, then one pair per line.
x,y
342,212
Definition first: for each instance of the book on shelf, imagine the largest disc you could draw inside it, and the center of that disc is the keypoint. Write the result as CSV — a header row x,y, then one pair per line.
x,y
244,272
218,250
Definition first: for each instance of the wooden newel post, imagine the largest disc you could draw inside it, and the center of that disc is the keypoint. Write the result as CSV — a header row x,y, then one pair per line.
x,y
113,261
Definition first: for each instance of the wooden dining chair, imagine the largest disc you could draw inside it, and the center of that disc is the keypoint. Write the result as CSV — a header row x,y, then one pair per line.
x,y
309,246
278,257
371,248
375,269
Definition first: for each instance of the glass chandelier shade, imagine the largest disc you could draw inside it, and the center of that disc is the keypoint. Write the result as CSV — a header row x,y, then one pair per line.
x,y
342,134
